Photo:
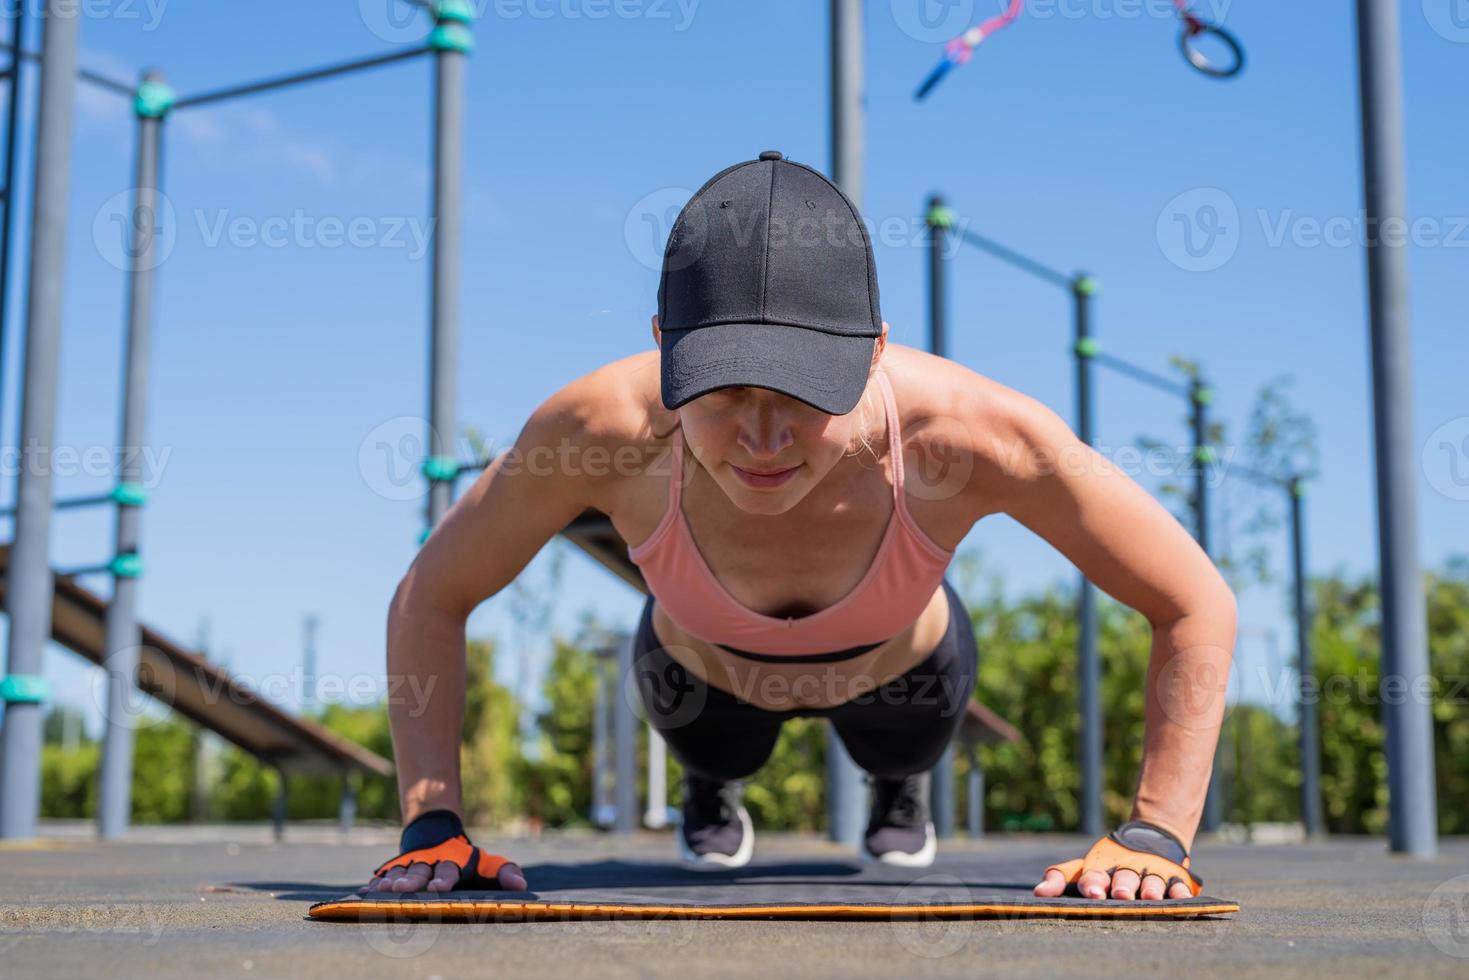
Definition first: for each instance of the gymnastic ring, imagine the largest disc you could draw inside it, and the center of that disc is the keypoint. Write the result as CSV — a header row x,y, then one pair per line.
x,y
1192,28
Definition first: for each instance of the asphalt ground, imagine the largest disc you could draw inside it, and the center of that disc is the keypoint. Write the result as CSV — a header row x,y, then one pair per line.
x,y
229,902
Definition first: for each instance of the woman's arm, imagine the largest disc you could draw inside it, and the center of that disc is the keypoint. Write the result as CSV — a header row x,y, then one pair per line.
x,y
529,494
1127,544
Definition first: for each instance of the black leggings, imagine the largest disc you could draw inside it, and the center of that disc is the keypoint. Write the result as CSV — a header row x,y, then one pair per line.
x,y
898,729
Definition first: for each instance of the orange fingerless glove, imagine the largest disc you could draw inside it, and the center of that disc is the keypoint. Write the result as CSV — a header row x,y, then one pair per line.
x,y
1139,847
439,836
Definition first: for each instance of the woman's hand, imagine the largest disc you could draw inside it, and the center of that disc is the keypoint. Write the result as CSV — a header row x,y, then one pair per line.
x,y
1136,861
436,855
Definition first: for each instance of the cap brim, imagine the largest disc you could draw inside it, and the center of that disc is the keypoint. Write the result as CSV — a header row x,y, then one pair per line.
x,y
826,371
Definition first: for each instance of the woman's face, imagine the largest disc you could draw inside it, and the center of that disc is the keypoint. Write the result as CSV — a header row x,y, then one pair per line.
x,y
764,449
767,450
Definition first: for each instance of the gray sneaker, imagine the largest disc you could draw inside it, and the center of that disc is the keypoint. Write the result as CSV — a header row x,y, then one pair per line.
x,y
716,831
900,829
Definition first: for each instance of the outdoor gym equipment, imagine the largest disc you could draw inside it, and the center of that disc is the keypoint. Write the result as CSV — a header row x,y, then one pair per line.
x,y
1195,29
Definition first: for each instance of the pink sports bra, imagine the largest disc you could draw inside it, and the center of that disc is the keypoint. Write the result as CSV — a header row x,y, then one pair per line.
x,y
908,568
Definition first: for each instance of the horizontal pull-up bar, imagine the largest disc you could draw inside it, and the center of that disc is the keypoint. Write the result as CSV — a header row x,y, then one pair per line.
x,y
1139,374
298,78
95,78
1021,262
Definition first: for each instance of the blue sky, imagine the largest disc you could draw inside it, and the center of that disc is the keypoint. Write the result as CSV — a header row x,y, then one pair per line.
x,y
1078,136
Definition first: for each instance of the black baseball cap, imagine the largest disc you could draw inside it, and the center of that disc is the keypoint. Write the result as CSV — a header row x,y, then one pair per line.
x,y
769,282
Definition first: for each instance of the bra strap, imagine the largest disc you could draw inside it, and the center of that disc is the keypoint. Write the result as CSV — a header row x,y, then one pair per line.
x,y
895,434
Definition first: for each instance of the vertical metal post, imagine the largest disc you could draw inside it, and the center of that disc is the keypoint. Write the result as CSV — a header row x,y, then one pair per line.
x,y
655,816
938,294
1412,805
309,626
114,807
625,742
347,809
1202,453
846,790
278,810
12,138
29,576
1083,288
1311,815
976,795
452,43
600,803
941,794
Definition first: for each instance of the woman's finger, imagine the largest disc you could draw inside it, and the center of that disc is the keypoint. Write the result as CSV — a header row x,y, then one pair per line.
x,y
1093,883
511,878
446,876
1053,885
414,878
1124,884
1152,889
1180,890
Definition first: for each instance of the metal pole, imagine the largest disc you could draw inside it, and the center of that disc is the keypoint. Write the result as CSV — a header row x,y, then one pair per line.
x,y
12,138
976,795
308,664
938,298
655,817
846,790
451,42
347,809
1311,816
1412,807
625,743
1083,288
1199,398
29,576
941,794
600,804
278,810
123,635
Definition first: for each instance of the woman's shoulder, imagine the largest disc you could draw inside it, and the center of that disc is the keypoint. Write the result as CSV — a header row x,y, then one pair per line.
x,y
614,406
961,428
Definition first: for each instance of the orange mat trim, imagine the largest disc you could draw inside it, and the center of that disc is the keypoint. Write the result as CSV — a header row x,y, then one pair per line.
x,y
364,910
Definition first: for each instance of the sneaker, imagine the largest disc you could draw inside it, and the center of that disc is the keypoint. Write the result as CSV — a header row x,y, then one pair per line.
x,y
716,831
900,831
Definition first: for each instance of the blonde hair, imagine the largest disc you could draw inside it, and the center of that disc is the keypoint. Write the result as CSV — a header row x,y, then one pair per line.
x,y
864,432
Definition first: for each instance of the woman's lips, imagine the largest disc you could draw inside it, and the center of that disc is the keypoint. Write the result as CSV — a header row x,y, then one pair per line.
x,y
764,481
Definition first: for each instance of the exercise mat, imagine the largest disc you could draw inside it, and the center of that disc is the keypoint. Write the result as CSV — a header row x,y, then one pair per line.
x,y
957,887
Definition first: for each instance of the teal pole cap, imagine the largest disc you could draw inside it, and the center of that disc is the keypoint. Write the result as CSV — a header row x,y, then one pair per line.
x,y
423,535
1085,286
452,20
130,494
24,689
1087,347
1204,395
153,100
440,469
459,11
128,565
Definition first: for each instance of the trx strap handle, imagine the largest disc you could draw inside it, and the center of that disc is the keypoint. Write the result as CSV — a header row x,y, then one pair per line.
x,y
1138,847
439,836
